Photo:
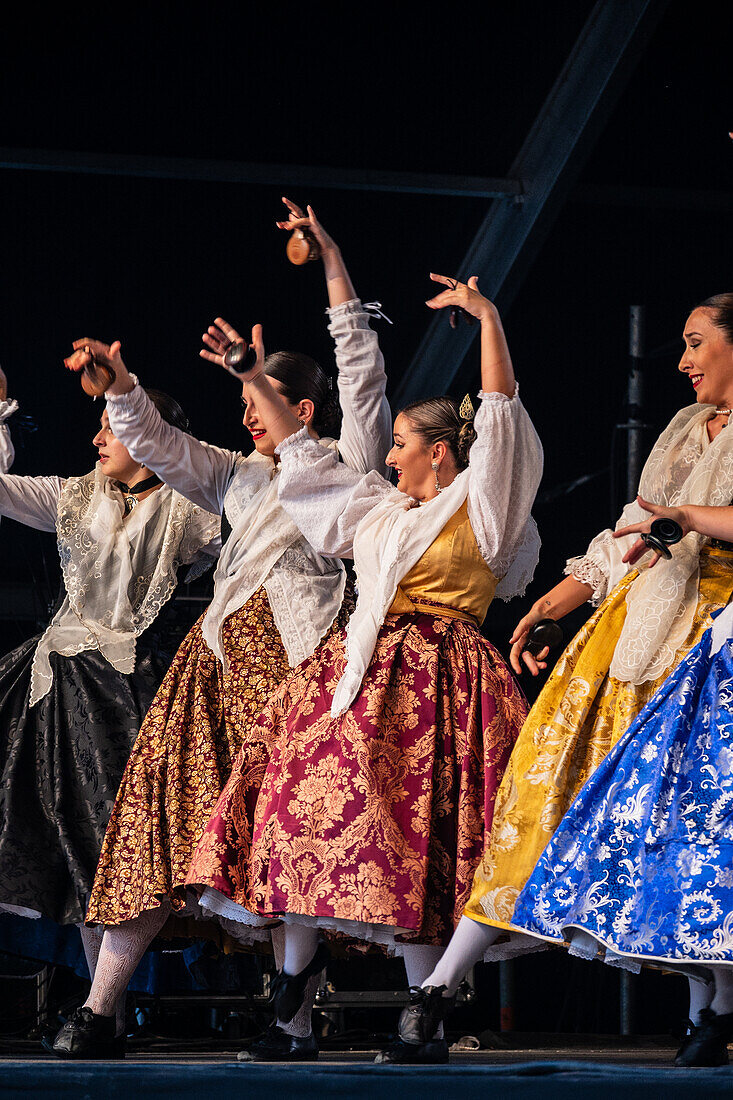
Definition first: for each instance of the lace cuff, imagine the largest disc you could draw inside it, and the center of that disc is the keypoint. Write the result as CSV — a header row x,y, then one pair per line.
x,y
588,571
346,309
495,395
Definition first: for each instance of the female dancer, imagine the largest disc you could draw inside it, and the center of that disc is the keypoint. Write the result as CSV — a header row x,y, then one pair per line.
x,y
640,868
647,623
274,599
73,699
387,746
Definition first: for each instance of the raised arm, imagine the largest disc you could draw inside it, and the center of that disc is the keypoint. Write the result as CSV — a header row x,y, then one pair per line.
x,y
362,382
194,469
338,282
506,458
497,372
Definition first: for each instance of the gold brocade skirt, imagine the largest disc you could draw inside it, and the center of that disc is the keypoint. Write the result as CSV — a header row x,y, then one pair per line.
x,y
577,719
181,760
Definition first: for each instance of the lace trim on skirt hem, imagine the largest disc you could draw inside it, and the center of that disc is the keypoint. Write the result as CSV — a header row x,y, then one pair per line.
x,y
20,911
212,902
516,944
634,963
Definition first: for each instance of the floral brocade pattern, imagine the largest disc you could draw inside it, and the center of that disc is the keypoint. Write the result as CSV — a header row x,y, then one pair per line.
x,y
579,716
182,759
643,860
376,816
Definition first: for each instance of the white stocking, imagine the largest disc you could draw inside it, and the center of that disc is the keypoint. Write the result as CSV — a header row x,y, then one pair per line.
x,y
701,994
420,960
301,942
722,1002
123,946
91,939
467,946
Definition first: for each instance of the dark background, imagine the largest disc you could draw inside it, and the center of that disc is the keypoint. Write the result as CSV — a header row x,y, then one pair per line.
x,y
403,87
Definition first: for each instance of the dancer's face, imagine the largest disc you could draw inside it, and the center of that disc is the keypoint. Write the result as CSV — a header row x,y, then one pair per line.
x,y
708,359
252,422
114,457
411,457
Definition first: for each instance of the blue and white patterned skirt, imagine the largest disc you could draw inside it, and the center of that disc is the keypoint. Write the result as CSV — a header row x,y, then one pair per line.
x,y
643,859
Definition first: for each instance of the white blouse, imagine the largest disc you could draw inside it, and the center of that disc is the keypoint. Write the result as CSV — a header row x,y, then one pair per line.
x,y
304,588
328,502
342,513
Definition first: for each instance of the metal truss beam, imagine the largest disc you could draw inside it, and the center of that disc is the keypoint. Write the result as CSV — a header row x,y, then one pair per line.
x,y
285,175
413,183
267,175
548,163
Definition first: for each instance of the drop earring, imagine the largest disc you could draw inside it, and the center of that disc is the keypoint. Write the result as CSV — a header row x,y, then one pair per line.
x,y
435,467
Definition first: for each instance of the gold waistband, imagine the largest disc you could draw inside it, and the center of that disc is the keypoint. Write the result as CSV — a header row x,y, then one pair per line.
x,y
432,607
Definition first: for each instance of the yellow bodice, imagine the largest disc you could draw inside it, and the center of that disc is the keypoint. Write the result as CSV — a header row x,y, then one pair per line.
x,y
451,578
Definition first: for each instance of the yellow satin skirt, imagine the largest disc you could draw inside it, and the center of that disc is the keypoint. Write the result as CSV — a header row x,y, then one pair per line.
x,y
577,719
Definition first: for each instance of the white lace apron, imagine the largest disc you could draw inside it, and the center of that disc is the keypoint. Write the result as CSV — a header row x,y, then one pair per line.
x,y
118,571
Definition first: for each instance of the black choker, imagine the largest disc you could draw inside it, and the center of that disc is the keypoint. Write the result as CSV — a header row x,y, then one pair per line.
x,y
132,492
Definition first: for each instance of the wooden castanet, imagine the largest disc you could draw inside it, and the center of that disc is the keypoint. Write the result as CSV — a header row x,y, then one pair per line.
x,y
302,246
96,378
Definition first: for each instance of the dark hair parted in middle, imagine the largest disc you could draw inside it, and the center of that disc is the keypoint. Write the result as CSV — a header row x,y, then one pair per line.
x,y
437,420
302,378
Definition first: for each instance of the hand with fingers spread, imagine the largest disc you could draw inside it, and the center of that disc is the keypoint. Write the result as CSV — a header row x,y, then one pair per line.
x,y
657,511
220,338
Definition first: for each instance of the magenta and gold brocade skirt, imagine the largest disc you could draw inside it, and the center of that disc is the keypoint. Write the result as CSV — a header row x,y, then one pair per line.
x,y
377,816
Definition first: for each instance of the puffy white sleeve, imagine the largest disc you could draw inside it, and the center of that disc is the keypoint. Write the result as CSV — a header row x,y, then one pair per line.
x,y
505,463
7,450
196,470
324,497
31,500
601,566
366,432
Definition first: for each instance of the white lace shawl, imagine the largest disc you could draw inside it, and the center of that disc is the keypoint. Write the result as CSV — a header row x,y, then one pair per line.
x,y
683,468
118,572
341,513
265,547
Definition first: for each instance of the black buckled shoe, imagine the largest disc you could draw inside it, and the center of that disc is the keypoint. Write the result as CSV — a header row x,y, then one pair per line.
x,y
276,1046
85,1035
434,1053
426,1010
708,1043
289,989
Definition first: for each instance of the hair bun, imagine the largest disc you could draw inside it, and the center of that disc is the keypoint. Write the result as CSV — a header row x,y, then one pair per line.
x,y
466,438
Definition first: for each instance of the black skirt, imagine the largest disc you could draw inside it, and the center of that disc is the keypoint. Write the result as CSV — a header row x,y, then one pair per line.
x,y
61,764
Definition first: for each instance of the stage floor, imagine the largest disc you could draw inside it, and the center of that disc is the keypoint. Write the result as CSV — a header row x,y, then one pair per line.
x,y
641,1073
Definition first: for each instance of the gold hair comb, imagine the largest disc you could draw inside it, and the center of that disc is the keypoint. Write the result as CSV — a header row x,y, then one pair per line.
x,y
466,411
